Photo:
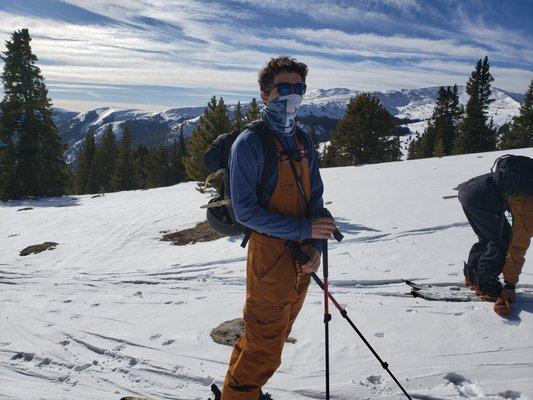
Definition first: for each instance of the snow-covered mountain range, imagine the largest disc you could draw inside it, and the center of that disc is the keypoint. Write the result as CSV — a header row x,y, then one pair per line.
x,y
323,107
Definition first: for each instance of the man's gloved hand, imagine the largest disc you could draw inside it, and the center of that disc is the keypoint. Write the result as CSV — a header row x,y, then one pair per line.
x,y
314,259
503,306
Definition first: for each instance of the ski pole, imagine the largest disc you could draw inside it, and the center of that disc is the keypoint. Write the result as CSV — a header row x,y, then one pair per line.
x,y
344,313
327,315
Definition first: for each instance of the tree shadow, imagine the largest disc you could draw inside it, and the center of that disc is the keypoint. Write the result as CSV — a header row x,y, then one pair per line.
x,y
352,229
39,202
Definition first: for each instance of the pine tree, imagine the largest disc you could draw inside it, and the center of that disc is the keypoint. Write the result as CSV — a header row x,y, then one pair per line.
x,y
413,147
332,157
314,135
124,177
520,133
253,111
105,160
176,163
158,172
442,126
439,149
212,123
475,134
181,142
364,134
31,152
85,162
140,156
238,120
393,149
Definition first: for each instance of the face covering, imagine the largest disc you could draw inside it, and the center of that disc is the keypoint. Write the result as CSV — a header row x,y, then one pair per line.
x,y
280,113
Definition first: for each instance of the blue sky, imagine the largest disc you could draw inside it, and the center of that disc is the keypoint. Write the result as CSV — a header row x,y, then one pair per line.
x,y
159,54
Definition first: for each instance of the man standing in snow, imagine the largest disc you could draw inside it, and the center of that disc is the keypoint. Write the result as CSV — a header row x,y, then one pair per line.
x,y
275,285
500,248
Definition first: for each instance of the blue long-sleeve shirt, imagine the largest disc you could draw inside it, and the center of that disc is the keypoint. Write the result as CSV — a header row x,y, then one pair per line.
x,y
247,161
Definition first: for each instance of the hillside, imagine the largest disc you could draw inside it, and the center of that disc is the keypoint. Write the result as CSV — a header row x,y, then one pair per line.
x,y
114,311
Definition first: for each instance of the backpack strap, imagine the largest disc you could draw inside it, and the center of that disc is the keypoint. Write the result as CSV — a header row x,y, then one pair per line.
x,y
266,137
271,150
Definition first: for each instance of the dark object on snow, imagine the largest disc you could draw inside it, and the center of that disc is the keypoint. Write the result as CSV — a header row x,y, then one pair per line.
x,y
218,394
135,398
216,391
227,333
430,292
202,232
25,208
37,248
96,195
513,174
483,206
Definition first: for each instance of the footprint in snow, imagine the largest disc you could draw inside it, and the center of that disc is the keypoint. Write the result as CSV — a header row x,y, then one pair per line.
x,y
511,394
374,379
465,387
25,356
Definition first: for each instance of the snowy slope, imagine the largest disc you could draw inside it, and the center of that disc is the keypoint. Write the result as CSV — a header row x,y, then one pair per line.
x,y
113,310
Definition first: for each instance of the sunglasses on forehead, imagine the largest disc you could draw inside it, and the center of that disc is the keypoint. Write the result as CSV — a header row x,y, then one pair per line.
x,y
286,88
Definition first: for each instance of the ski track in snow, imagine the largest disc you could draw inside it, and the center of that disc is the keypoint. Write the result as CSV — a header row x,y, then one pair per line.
x,y
113,311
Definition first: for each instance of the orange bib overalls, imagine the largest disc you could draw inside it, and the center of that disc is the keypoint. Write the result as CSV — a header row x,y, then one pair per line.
x,y
274,296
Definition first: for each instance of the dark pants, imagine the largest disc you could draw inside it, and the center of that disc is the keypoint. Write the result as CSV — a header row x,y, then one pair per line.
x,y
484,206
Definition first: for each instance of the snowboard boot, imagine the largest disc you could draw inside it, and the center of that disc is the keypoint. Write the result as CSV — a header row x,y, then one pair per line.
x,y
489,288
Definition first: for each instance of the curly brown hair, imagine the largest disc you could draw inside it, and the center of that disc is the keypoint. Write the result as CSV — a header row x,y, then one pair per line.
x,y
280,64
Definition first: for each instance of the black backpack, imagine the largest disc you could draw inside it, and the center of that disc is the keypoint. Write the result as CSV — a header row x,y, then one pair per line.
x,y
513,174
219,213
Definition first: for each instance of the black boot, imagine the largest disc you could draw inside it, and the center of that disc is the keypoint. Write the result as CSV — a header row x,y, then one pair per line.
x,y
218,394
490,288
471,278
216,391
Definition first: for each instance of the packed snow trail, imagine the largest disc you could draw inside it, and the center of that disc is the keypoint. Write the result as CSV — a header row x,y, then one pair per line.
x,y
112,311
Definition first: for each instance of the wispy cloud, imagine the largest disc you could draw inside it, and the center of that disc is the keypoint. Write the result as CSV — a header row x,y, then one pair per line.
x,y
91,49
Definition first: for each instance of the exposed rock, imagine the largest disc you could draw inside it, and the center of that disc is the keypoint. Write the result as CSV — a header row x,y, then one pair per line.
x,y
37,248
227,333
25,208
200,233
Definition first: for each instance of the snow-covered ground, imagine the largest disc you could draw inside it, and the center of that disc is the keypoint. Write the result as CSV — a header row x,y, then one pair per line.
x,y
114,311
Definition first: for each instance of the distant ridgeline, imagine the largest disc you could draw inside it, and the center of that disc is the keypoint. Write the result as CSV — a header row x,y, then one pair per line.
x,y
321,108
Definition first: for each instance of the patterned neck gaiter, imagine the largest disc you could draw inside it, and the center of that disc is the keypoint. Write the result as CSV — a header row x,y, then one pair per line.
x,y
280,113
